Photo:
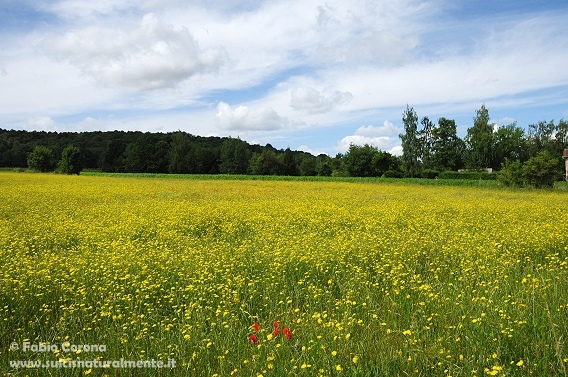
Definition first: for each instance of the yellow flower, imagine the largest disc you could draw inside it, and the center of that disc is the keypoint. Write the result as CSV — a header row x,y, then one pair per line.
x,y
520,363
338,368
355,359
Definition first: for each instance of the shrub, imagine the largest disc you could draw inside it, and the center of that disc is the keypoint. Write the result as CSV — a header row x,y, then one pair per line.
x,y
430,173
474,175
71,161
511,174
542,170
41,159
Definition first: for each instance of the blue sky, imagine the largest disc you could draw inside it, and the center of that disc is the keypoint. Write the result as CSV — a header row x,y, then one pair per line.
x,y
304,74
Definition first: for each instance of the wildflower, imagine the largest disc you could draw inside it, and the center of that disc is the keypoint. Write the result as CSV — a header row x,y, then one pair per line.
x,y
287,333
355,359
520,363
338,368
253,338
256,326
276,331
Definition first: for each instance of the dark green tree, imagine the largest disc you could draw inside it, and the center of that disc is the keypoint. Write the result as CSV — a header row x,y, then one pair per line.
x,y
180,159
149,154
411,149
447,147
289,163
112,157
359,160
509,144
41,159
383,162
541,137
561,136
324,165
71,160
265,163
234,157
479,141
308,166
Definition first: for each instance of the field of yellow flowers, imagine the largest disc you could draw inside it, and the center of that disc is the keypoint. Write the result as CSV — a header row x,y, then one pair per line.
x,y
276,278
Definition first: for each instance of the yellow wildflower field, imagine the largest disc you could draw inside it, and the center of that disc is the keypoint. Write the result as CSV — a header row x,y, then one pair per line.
x,y
198,277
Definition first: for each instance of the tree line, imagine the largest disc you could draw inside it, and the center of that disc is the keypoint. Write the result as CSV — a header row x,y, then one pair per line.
x,y
137,152
429,150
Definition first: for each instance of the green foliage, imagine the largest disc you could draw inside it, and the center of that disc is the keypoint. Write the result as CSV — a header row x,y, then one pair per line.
x,y
308,167
71,161
411,149
540,171
359,161
41,159
368,161
430,174
511,174
265,163
479,141
470,175
234,157
447,147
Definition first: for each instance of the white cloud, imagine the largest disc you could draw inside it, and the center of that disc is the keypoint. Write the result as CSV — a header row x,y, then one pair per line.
x,y
149,56
381,142
396,150
43,123
386,129
245,118
383,137
313,101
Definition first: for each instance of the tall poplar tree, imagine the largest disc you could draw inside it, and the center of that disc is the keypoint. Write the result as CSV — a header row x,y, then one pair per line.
x,y
411,149
479,141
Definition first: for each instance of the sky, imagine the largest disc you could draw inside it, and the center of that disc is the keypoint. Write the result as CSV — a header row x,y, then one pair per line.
x,y
311,75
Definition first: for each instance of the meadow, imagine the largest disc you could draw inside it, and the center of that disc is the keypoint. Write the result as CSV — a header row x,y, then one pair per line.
x,y
281,277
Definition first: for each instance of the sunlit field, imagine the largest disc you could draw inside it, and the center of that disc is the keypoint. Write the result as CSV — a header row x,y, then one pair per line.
x,y
277,278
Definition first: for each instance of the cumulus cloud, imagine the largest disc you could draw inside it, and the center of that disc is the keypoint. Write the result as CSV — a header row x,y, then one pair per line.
x,y
43,123
386,129
382,137
149,56
313,101
381,142
245,118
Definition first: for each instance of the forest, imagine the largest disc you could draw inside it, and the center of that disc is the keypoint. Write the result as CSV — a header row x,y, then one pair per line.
x,y
429,150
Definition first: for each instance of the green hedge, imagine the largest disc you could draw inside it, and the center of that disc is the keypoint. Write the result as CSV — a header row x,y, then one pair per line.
x,y
477,175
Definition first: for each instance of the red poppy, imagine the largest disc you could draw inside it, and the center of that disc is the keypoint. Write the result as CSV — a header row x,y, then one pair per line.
x,y
276,331
276,324
287,333
253,338
256,326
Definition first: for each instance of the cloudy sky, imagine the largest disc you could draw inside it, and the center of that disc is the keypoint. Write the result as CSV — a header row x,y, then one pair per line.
x,y
313,75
